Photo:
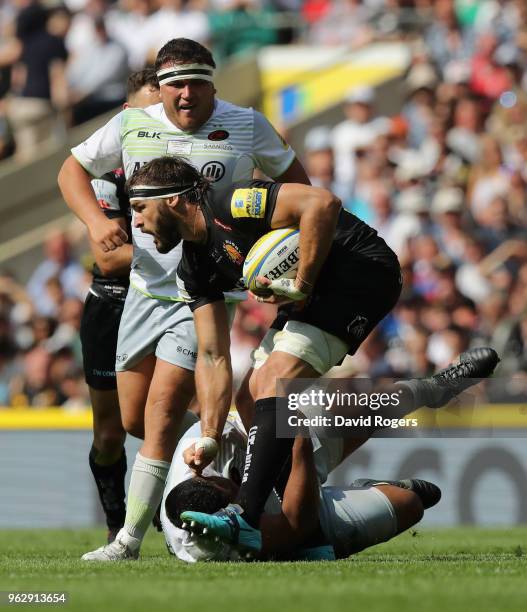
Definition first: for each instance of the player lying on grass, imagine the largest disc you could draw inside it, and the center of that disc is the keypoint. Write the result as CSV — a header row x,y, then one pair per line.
x,y
303,519
347,281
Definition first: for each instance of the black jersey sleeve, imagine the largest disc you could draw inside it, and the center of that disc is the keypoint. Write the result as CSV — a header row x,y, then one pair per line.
x,y
252,203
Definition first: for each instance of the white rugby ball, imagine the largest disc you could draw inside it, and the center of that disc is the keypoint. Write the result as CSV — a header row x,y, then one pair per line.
x,y
274,256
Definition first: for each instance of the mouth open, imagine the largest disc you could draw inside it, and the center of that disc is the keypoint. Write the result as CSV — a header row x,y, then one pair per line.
x,y
187,108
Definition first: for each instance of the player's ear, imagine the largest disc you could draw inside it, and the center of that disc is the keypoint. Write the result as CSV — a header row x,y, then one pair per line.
x,y
172,201
126,105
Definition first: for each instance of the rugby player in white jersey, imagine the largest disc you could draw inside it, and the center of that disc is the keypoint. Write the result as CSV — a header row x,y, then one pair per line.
x,y
363,514
303,518
100,324
157,346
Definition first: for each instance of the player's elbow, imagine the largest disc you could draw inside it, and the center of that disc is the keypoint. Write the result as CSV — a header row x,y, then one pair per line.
x,y
67,172
64,171
327,202
302,523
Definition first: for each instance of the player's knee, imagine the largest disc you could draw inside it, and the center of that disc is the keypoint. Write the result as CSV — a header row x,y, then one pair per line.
x,y
264,380
264,384
134,426
109,441
244,404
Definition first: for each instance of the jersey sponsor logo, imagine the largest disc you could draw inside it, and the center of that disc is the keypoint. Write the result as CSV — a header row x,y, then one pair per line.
x,y
219,146
144,134
121,358
357,327
213,170
138,165
233,252
179,146
249,203
218,135
224,226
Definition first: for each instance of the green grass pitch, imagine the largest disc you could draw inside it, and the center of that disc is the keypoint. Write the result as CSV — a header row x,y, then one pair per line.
x,y
443,570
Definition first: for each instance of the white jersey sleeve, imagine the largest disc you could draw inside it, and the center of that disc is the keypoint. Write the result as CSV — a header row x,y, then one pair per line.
x,y
102,151
106,194
271,152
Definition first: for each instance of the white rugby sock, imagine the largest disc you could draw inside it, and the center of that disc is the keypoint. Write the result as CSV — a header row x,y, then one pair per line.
x,y
144,495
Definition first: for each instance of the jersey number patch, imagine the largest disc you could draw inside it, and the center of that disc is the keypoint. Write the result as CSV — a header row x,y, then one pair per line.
x,y
249,203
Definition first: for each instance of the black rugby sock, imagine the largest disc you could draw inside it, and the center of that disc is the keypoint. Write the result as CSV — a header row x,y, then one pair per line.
x,y
110,485
265,459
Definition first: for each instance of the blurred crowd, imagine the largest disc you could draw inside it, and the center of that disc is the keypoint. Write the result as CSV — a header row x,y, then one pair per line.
x,y
40,352
63,62
444,181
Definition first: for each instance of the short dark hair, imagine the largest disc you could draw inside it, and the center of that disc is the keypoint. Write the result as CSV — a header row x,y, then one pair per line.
x,y
183,51
196,495
171,170
137,80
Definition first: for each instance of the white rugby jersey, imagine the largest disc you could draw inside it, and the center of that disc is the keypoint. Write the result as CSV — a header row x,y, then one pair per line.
x,y
190,548
180,542
226,149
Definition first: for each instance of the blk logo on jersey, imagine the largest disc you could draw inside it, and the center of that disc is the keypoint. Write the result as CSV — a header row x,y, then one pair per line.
x,y
233,252
213,170
142,134
218,135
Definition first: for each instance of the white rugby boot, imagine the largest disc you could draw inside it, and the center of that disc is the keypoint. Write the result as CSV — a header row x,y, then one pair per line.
x,y
123,548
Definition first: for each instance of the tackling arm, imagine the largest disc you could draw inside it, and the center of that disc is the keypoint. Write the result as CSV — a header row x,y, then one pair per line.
x,y
299,517
294,174
113,263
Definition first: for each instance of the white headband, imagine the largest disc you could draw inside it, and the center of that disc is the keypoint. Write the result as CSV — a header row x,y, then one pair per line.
x,y
154,192
182,72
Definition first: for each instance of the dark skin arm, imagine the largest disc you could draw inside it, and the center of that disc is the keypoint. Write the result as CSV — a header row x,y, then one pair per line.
x,y
299,517
294,174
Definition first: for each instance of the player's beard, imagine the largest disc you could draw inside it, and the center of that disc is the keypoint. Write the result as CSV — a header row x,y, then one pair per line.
x,y
167,235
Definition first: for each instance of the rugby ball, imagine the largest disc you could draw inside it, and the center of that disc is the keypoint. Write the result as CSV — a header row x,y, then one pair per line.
x,y
274,256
